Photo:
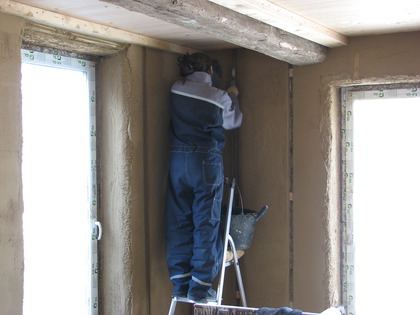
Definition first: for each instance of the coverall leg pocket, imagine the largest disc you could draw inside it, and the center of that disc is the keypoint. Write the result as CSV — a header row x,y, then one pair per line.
x,y
212,173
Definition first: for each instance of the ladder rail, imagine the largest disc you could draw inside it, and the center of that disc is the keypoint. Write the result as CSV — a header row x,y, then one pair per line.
x,y
172,307
226,241
238,272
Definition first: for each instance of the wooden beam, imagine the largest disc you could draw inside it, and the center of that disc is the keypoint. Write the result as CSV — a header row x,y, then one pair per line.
x,y
230,26
65,22
273,14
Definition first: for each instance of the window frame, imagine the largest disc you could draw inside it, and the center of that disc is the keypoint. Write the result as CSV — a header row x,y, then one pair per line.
x,y
63,60
348,96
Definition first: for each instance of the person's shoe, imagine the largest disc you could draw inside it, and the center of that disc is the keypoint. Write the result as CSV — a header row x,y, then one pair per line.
x,y
180,292
211,296
179,295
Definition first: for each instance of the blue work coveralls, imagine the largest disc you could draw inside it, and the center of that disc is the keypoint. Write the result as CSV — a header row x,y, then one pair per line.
x,y
199,115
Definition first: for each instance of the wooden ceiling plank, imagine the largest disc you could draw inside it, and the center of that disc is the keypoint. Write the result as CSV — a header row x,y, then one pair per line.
x,y
86,27
230,26
273,14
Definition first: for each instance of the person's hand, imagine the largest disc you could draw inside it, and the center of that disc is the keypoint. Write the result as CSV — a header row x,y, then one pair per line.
x,y
233,89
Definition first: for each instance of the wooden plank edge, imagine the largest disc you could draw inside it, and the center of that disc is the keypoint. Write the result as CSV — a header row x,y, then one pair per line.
x,y
93,29
231,26
275,15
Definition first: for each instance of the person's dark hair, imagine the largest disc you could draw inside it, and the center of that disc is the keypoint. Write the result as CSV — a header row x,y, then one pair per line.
x,y
195,62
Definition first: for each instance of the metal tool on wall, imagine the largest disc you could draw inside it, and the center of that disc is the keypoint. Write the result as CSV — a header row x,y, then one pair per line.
x,y
235,153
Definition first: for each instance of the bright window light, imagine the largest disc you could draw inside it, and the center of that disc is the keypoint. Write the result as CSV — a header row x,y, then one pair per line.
x,y
386,205
55,171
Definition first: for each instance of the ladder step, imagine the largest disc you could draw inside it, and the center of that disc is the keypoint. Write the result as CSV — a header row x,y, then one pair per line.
x,y
229,255
187,300
200,309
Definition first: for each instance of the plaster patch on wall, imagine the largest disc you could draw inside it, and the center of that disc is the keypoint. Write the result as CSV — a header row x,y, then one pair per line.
x,y
330,219
116,210
11,202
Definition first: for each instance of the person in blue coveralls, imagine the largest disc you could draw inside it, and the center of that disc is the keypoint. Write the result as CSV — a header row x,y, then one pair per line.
x,y
200,113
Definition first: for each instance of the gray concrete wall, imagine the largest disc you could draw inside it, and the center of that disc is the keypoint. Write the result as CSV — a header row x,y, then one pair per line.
x,y
11,203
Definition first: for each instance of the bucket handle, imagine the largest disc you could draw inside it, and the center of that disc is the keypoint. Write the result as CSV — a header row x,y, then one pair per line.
x,y
261,213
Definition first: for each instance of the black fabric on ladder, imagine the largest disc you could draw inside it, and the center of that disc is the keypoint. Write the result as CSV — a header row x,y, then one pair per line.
x,y
278,311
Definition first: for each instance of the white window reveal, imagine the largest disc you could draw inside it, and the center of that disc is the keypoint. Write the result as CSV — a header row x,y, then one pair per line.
x,y
380,211
59,185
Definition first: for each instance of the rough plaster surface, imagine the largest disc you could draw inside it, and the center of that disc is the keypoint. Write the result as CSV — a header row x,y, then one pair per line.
x,y
134,149
135,127
76,43
133,118
367,60
116,245
134,145
134,279
11,203
145,287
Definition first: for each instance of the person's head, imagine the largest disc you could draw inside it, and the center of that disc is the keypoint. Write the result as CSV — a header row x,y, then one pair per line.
x,y
195,62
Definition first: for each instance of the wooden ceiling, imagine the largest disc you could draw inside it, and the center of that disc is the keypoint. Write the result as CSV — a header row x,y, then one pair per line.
x,y
329,23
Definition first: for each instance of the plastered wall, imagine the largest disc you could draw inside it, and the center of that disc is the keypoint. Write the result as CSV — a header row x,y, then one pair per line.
x,y
133,122
11,204
309,281
367,60
134,143
161,71
263,150
134,119
120,103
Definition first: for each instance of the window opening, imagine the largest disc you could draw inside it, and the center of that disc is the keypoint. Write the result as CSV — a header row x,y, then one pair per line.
x,y
59,185
380,211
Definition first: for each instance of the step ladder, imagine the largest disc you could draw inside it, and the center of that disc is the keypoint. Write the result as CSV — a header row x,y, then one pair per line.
x,y
228,240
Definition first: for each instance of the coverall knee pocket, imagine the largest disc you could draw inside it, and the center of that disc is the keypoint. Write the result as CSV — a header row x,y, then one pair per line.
x,y
217,204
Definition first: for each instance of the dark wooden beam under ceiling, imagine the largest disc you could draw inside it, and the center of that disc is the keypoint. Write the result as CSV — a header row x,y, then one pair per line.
x,y
230,26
